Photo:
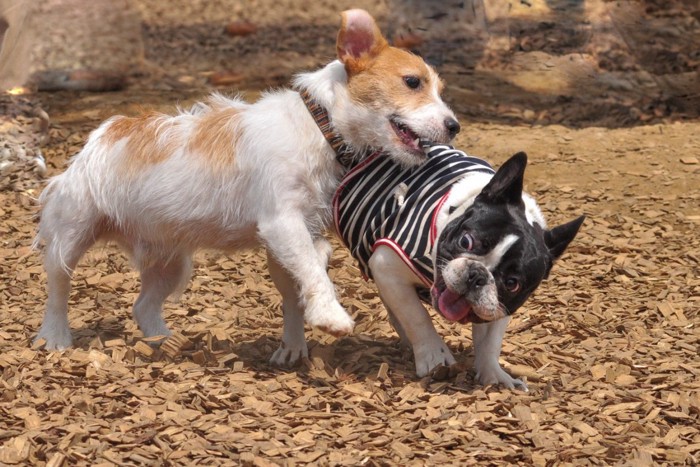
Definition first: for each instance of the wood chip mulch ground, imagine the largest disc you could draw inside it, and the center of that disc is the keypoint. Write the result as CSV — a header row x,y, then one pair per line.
x,y
609,346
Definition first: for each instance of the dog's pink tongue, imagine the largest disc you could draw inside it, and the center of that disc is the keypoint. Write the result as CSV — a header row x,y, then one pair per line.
x,y
408,137
409,140
453,305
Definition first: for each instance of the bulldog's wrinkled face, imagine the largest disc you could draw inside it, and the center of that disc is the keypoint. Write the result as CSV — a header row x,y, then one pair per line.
x,y
489,262
490,259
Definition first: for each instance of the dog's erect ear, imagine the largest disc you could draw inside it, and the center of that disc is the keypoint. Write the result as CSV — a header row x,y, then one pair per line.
x,y
559,237
359,37
507,185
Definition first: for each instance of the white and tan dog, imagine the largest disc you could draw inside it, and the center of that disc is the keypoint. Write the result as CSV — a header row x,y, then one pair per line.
x,y
229,175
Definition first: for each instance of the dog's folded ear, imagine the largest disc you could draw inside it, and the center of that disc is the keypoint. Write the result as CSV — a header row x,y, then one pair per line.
x,y
506,187
359,37
559,237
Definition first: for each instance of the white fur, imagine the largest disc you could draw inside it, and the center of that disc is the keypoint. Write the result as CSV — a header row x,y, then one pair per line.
x,y
494,257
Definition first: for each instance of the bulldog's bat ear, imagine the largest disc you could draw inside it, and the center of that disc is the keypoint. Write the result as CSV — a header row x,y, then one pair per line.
x,y
559,237
359,38
507,185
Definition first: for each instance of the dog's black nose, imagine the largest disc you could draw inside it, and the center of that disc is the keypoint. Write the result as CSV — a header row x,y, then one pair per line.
x,y
477,278
452,126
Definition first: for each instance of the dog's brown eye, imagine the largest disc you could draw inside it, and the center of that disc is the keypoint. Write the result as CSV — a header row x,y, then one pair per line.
x,y
512,285
467,242
412,82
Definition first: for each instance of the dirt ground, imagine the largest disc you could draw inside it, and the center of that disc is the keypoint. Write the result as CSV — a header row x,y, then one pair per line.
x,y
603,96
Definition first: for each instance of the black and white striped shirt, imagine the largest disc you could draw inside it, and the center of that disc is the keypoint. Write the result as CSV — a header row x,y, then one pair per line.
x,y
379,202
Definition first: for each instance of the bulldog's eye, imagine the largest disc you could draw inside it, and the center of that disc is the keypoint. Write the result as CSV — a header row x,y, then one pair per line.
x,y
467,242
412,82
512,285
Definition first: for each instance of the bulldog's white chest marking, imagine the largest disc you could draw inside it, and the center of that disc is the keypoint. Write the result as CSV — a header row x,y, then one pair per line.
x,y
493,259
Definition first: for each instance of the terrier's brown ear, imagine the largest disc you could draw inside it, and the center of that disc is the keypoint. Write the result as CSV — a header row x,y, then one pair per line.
x,y
359,38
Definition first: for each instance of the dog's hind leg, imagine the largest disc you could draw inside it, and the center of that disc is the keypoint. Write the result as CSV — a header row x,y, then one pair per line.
x,y
65,242
160,278
293,346
289,241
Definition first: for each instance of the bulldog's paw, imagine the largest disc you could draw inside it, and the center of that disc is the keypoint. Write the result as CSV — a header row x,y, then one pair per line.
x,y
494,374
430,356
329,317
288,355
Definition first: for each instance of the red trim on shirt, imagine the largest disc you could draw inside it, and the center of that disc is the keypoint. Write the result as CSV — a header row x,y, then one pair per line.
x,y
433,221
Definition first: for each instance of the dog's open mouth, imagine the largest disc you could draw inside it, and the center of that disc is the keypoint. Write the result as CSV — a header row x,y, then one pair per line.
x,y
407,136
453,306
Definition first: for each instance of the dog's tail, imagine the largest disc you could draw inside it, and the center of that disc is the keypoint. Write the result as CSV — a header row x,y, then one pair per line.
x,y
68,213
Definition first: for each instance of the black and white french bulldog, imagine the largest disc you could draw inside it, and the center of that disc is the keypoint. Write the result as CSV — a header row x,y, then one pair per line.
x,y
457,234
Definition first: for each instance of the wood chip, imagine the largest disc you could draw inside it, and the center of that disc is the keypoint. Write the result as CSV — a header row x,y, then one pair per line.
x,y
174,344
240,28
143,348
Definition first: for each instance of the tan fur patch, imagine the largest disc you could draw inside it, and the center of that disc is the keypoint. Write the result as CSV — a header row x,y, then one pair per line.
x,y
382,81
152,137
144,145
216,136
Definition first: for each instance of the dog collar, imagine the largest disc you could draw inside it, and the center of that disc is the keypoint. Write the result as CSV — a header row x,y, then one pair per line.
x,y
344,153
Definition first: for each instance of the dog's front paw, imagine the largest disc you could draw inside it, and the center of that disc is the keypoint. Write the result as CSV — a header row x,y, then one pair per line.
x,y
150,321
430,356
494,374
288,355
330,317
